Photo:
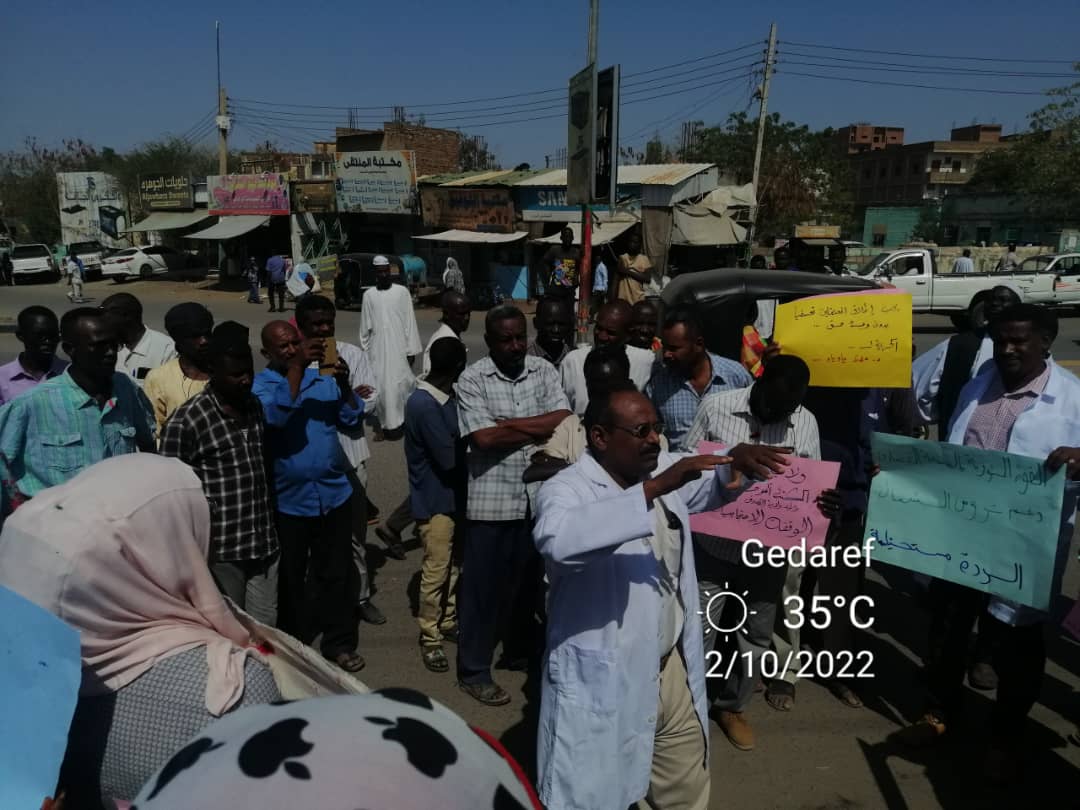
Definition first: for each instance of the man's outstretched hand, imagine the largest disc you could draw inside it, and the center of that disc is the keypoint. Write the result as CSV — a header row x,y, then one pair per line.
x,y
759,460
681,472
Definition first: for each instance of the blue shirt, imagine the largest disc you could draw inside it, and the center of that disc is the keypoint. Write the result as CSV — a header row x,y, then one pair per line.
x,y
600,278
275,270
434,452
55,430
676,400
302,440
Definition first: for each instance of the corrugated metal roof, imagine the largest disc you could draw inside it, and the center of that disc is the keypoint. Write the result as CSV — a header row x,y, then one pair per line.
x,y
647,174
497,177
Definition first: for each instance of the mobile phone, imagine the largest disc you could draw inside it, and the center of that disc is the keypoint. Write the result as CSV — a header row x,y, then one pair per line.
x,y
330,358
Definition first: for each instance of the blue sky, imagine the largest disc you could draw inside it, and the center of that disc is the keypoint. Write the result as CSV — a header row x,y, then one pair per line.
x,y
118,74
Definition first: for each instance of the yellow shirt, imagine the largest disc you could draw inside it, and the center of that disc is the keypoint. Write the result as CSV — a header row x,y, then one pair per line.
x,y
168,388
630,289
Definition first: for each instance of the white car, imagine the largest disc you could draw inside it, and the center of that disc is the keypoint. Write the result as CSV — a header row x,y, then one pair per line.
x,y
33,260
1065,268
142,262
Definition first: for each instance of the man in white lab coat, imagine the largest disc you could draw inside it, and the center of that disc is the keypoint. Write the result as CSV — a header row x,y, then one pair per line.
x,y
623,713
389,335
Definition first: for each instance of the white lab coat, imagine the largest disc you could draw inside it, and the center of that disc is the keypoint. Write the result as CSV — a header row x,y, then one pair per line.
x,y
572,370
1050,422
926,374
388,333
600,685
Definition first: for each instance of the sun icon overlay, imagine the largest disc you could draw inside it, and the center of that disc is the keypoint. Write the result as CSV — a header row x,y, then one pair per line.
x,y
730,603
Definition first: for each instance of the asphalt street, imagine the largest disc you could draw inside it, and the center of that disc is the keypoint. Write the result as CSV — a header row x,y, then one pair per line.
x,y
821,754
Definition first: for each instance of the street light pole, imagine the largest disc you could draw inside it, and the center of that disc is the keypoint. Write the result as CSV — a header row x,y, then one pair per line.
x,y
585,273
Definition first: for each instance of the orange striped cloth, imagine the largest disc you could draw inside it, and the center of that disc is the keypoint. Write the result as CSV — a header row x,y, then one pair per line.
x,y
752,350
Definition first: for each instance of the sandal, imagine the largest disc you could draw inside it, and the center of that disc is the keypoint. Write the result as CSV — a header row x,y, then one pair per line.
x,y
781,695
349,661
434,659
845,694
490,694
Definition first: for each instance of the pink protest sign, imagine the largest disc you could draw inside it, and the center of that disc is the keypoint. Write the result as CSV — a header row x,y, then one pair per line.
x,y
780,511
1072,621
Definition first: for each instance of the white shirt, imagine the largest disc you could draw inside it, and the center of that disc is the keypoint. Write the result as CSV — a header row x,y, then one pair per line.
x,y
572,370
926,374
153,350
963,264
353,443
441,332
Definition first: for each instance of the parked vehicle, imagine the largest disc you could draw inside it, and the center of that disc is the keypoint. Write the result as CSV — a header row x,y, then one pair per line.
x,y
961,296
723,296
1065,270
29,261
90,254
142,262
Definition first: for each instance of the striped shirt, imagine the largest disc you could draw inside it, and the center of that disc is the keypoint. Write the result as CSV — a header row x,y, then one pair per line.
x,y
676,400
486,397
55,430
726,418
997,411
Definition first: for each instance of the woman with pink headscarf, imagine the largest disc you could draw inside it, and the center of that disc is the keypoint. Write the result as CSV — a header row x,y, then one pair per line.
x,y
119,553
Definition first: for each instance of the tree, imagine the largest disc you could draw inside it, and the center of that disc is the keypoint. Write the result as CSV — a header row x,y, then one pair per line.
x,y
1042,167
929,228
802,175
474,155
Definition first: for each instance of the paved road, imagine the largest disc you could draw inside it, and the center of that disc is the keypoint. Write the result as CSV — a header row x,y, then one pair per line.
x,y
822,754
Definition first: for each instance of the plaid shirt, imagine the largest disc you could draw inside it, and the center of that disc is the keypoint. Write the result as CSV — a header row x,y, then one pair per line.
x,y
536,350
676,400
229,457
997,411
486,396
55,430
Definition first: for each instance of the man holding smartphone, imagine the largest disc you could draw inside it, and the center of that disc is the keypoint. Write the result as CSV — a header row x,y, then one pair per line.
x,y
315,316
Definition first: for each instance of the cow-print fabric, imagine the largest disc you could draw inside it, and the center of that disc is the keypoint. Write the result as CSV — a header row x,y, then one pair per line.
x,y
390,750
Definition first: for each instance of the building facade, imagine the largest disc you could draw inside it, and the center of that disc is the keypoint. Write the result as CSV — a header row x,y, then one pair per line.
x,y
855,139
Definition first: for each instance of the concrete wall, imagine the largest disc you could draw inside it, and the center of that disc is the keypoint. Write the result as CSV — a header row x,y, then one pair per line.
x,y
985,259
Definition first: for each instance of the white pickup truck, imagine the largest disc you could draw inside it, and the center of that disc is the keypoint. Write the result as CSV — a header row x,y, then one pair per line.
x,y
961,296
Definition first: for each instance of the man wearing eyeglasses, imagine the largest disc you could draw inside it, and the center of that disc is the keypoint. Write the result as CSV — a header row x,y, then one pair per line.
x,y
623,713
769,412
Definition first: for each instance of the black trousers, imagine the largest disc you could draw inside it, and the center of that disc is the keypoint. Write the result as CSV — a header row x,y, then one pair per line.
x,y
317,579
496,597
280,290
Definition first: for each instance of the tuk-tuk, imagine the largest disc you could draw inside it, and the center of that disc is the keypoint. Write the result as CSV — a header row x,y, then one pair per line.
x,y
723,297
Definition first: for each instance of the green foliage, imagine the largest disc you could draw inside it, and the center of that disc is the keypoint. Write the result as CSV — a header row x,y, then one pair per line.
x,y
1042,166
929,227
28,176
803,176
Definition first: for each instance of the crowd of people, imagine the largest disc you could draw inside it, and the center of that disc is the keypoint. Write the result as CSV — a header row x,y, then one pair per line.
x,y
551,487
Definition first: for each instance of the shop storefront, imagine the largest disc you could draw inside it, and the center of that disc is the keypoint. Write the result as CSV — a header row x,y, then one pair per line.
x,y
254,219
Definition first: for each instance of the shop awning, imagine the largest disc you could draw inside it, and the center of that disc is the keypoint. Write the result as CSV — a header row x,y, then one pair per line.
x,y
170,220
228,227
473,237
700,226
602,232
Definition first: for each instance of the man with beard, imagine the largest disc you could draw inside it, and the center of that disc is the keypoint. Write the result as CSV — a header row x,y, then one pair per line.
x,y
62,426
173,384
689,373
389,335
508,404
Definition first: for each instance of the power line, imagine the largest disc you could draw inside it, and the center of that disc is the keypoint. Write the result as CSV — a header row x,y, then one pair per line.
x,y
925,69
930,55
697,59
197,125
919,86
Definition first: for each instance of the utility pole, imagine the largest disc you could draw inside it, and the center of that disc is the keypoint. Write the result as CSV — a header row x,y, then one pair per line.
x,y
222,112
585,271
770,60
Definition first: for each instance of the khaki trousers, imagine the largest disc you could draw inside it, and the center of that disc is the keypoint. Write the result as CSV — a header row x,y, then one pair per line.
x,y
680,773
438,579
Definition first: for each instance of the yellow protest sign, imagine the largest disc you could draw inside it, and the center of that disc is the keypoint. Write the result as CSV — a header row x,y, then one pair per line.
x,y
850,340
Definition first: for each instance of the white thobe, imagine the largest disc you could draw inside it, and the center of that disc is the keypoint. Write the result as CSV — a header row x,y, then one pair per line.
x,y
572,369
389,335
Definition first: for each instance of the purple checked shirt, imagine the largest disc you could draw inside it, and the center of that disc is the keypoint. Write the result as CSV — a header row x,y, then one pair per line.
x,y
14,379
